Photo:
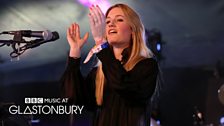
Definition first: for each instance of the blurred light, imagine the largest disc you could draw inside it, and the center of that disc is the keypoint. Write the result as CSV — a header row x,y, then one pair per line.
x,y
35,121
155,42
158,122
222,120
85,2
199,115
103,4
158,47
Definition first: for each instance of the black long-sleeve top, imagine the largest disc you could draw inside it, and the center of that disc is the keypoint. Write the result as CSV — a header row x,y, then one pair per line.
x,y
126,96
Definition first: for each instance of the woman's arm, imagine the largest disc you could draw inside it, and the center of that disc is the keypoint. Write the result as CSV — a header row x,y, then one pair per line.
x,y
78,89
74,86
72,81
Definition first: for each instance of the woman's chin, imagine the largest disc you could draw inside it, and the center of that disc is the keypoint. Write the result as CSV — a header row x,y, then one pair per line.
x,y
112,42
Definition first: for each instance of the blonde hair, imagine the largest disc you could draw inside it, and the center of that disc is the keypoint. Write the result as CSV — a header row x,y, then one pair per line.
x,y
139,49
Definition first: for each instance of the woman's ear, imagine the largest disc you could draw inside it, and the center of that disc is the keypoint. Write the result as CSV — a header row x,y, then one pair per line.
x,y
132,34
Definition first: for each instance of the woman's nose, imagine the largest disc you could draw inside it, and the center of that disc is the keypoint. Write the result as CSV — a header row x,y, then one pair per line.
x,y
112,23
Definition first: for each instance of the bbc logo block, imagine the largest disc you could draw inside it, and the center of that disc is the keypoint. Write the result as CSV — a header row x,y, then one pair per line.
x,y
34,100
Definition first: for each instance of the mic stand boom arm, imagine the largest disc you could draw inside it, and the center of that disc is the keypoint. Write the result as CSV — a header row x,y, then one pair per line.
x,y
18,40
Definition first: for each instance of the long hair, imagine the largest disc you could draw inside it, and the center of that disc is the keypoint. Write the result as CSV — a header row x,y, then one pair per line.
x,y
139,49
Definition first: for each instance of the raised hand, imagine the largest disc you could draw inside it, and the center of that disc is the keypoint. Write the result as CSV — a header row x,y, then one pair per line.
x,y
97,24
74,40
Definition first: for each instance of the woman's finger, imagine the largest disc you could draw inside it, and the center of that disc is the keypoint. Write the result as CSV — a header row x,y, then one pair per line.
x,y
73,29
91,20
97,14
70,30
77,31
93,13
101,15
86,37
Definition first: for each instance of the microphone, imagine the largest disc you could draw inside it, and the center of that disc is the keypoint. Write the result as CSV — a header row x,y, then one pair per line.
x,y
45,35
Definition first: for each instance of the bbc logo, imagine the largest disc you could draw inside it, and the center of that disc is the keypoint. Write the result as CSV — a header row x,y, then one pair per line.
x,y
34,100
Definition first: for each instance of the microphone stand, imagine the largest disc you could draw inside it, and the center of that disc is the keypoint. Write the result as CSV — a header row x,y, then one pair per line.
x,y
18,40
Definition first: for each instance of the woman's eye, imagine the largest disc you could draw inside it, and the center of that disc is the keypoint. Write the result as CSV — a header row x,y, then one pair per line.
x,y
120,20
107,22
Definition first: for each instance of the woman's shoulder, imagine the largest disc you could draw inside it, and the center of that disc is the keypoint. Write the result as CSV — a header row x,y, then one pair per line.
x,y
146,64
148,61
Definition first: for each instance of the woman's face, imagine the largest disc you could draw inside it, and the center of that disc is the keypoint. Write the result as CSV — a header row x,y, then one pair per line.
x,y
118,31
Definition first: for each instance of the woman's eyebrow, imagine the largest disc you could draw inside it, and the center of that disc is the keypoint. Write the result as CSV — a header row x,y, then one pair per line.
x,y
116,16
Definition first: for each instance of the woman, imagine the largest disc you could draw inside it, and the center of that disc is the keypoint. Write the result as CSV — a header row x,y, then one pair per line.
x,y
119,90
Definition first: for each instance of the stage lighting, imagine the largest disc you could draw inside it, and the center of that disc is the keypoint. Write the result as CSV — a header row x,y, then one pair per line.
x,y
155,42
198,119
158,46
221,94
103,4
222,121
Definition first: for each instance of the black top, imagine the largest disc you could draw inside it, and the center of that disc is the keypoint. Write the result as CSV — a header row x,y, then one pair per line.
x,y
127,94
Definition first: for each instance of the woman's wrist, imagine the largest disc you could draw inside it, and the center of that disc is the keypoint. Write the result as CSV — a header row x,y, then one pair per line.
x,y
75,52
100,41
96,49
